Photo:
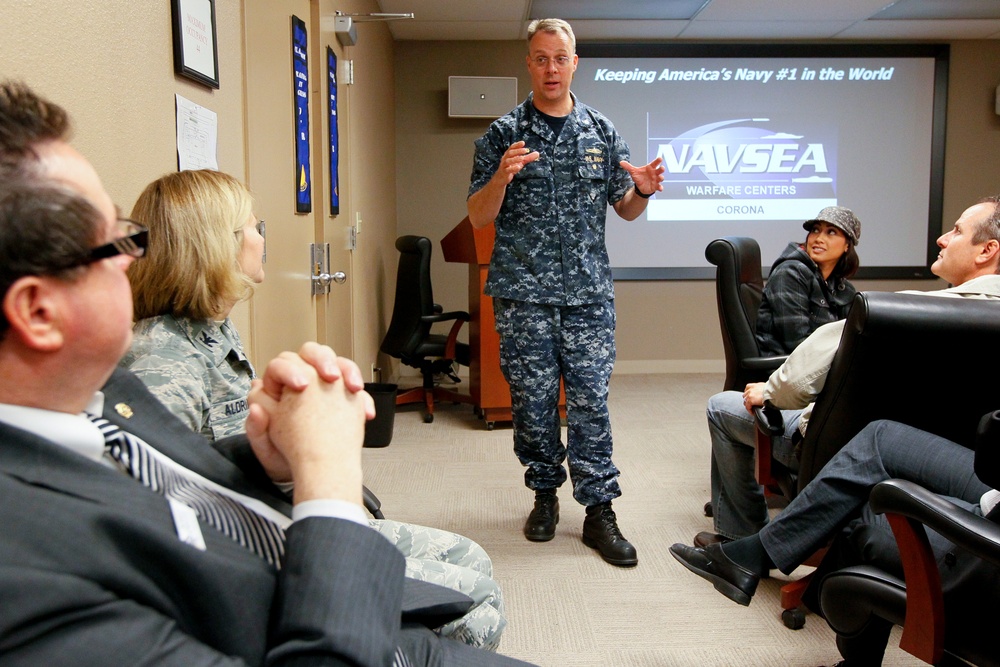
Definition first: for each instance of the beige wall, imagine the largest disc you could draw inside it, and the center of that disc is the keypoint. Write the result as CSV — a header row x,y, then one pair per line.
x,y
110,63
662,325
972,169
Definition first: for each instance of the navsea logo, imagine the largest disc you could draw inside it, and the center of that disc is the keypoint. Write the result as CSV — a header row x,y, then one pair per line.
x,y
743,164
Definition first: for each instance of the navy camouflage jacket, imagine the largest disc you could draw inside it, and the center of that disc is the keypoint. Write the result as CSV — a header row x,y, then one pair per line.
x,y
550,246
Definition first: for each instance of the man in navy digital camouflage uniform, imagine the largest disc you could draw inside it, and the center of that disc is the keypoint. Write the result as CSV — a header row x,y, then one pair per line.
x,y
545,174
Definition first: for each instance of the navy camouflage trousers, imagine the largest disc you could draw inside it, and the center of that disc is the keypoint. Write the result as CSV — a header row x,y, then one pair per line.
x,y
538,345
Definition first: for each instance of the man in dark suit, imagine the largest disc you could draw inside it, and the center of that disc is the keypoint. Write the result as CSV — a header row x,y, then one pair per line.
x,y
97,568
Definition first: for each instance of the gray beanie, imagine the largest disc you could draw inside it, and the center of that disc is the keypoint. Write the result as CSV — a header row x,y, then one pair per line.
x,y
841,218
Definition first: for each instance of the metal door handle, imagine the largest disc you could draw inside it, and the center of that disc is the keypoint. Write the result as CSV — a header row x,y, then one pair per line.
x,y
325,279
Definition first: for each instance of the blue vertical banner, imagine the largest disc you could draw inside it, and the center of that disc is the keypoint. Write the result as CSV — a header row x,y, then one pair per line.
x,y
331,73
300,74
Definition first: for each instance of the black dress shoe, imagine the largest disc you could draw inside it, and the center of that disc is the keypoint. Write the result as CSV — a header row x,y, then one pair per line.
x,y
541,523
600,531
704,538
735,582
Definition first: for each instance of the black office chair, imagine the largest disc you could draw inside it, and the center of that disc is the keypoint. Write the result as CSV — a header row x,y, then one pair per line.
x,y
409,337
739,287
861,603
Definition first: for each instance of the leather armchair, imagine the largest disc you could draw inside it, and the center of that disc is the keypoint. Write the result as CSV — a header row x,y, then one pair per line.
x,y
887,367
862,602
739,287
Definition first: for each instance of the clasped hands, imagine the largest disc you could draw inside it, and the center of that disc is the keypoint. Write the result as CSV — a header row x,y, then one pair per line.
x,y
306,423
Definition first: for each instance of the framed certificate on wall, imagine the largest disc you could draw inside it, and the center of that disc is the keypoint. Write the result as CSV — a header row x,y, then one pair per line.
x,y
196,52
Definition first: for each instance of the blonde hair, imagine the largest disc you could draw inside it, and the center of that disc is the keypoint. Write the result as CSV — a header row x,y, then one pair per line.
x,y
191,268
552,26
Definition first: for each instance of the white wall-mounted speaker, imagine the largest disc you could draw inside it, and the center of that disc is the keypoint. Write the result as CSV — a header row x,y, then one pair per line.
x,y
346,31
481,96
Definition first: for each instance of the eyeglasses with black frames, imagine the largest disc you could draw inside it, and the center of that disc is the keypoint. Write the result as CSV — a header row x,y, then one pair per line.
x,y
133,242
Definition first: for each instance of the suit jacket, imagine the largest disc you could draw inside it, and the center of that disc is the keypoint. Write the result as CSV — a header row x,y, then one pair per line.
x,y
92,571
129,404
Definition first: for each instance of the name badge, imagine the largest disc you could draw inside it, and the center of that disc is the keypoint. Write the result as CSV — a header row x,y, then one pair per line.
x,y
186,523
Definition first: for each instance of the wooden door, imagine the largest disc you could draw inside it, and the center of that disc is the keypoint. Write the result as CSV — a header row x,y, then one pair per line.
x,y
284,313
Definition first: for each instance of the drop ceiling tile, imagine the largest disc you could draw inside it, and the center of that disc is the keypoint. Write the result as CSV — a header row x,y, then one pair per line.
x,y
923,29
597,31
941,9
614,11
796,10
459,10
457,30
773,30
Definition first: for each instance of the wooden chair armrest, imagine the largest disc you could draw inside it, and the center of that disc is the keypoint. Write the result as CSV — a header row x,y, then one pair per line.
x,y
449,347
769,425
909,507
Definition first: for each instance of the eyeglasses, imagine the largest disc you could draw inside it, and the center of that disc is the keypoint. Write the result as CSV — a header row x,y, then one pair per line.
x,y
262,230
260,226
541,62
133,243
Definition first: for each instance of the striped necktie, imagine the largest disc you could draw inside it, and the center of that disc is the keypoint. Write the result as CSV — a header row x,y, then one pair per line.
x,y
255,532
227,515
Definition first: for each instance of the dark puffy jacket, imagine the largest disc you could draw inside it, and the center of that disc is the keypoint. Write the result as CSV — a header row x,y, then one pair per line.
x,y
797,300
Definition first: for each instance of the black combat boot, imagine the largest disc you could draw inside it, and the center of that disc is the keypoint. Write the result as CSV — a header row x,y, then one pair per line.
x,y
600,531
541,523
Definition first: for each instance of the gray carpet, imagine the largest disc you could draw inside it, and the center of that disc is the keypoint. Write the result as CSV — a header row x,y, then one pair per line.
x,y
565,606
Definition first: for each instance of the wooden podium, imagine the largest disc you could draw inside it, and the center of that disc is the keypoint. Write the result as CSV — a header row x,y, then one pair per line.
x,y
490,392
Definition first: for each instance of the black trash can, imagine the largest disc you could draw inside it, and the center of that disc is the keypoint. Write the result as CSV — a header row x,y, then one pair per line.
x,y
378,431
